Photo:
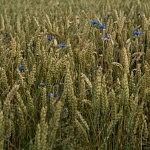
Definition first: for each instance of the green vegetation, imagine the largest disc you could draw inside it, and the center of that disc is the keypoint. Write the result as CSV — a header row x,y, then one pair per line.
x,y
74,75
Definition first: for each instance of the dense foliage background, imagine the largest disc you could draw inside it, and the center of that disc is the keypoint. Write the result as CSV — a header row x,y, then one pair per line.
x,y
74,75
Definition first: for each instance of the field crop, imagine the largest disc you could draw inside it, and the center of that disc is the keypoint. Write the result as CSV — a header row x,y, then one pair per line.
x,y
74,75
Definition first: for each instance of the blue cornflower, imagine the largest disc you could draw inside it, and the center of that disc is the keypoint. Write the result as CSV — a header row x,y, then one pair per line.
x,y
102,26
94,22
62,45
21,68
137,33
50,37
97,24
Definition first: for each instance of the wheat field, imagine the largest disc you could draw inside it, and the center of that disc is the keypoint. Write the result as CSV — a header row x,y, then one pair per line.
x,y
74,75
